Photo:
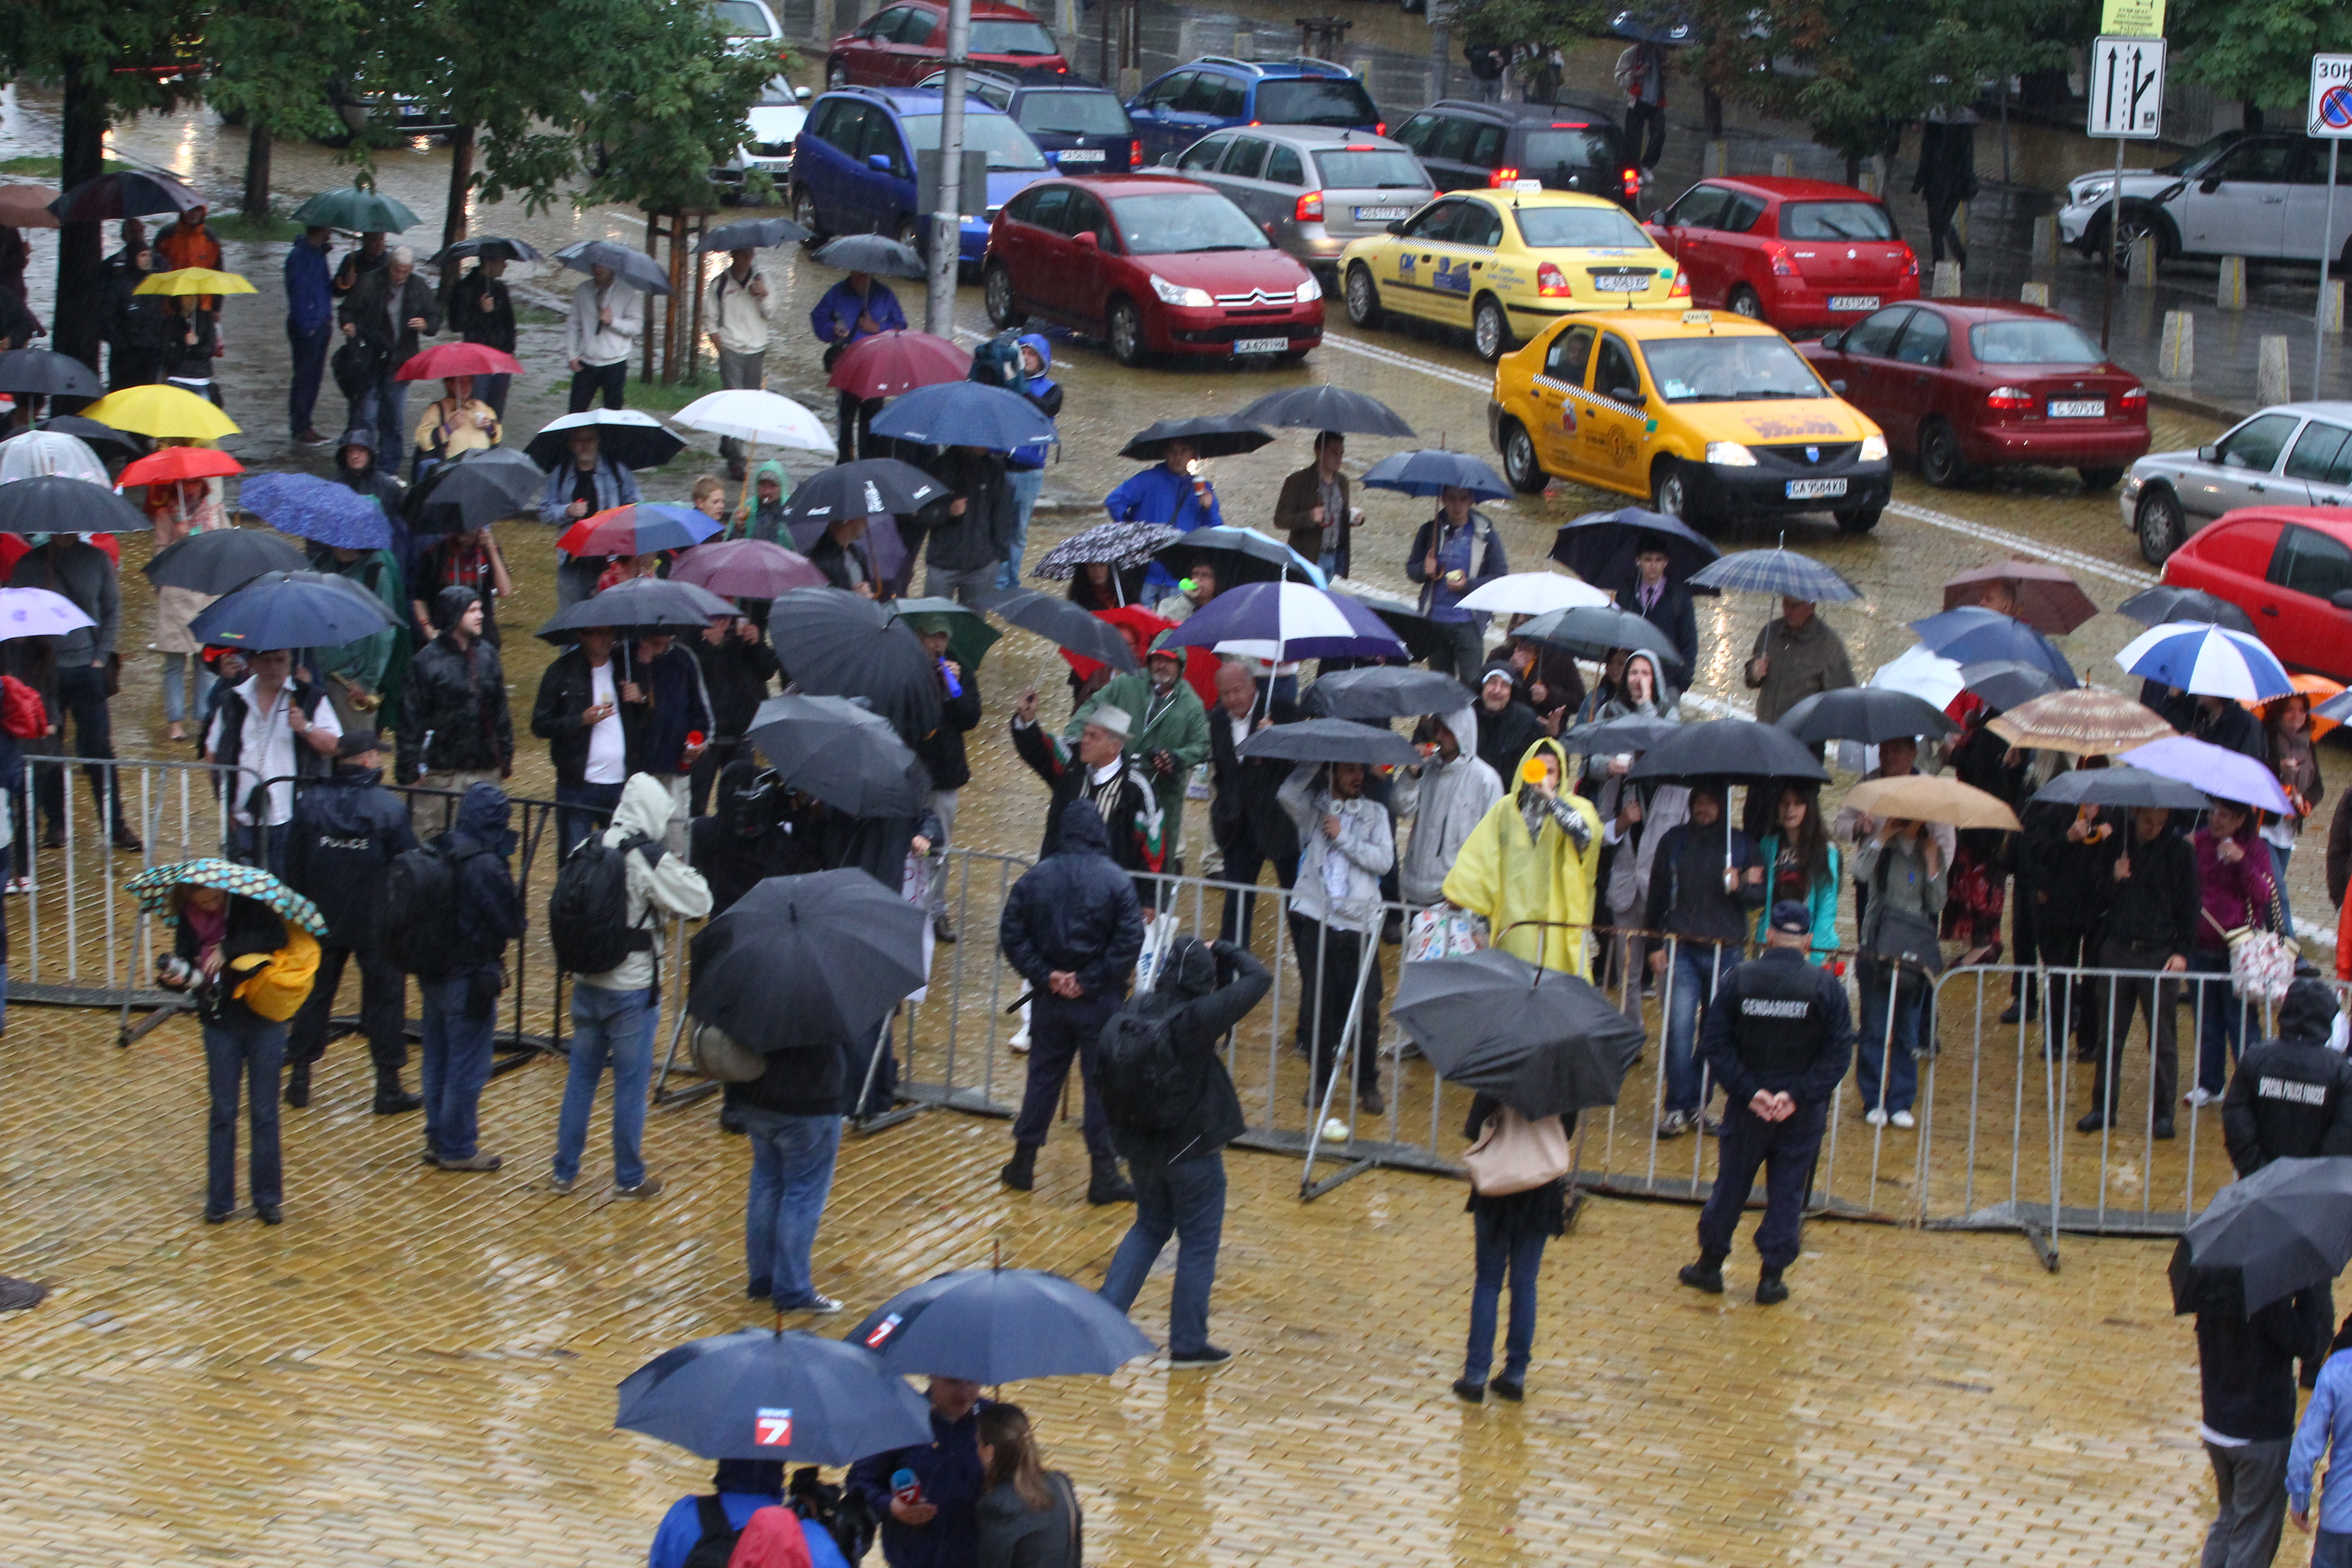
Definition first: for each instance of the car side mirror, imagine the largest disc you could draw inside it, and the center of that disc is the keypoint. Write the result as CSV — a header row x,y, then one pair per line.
x,y
1834,341
2209,184
1659,217
1167,160
801,95
1838,387
2341,598
2209,454
1626,394
1088,239
1394,225
878,161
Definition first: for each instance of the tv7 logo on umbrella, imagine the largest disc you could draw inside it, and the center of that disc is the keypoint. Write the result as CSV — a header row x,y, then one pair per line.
x,y
773,1428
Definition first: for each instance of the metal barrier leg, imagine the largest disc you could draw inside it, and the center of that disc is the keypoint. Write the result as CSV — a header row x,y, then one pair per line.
x,y
1341,1065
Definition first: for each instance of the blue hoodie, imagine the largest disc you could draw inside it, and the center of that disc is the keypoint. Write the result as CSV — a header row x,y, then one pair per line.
x,y
489,909
1046,394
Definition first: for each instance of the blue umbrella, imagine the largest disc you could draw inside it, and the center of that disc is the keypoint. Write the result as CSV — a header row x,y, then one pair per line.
x,y
292,609
1428,471
2209,661
1000,1325
767,1394
964,414
1287,621
1975,635
309,507
1599,546
2006,683
2221,773
1777,571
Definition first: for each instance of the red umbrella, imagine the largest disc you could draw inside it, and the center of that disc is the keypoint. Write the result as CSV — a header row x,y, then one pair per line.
x,y
888,363
1140,627
2044,597
746,569
445,360
637,528
173,464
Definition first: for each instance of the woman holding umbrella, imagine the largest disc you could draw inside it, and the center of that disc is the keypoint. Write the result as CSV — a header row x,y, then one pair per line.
x,y
1511,1230
2287,724
2237,891
454,423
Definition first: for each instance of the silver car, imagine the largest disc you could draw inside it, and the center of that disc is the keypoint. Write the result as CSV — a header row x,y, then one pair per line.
x,y
2295,454
1313,189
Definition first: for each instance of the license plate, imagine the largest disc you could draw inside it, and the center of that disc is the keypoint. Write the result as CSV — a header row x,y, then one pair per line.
x,y
1815,490
1082,155
1261,346
2078,408
1853,302
1382,214
1619,282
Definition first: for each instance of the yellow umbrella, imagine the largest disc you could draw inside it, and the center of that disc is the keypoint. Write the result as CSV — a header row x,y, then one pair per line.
x,y
163,412
194,281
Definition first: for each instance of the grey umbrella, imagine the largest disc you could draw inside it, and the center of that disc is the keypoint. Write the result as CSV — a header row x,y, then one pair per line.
x,y
1542,1041
2121,785
869,253
1386,691
634,268
2265,1237
1331,740
1870,714
807,963
845,755
1065,625
1325,407
222,560
752,234
1733,749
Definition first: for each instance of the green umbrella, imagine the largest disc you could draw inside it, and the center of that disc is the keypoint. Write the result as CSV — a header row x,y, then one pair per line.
x,y
154,886
968,635
363,212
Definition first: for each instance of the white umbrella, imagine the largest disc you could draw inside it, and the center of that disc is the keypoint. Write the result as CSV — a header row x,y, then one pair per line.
x,y
1535,593
761,419
38,452
39,613
1929,677
2208,660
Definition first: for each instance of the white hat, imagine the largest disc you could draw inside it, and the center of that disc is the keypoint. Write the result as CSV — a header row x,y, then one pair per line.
x,y
1117,721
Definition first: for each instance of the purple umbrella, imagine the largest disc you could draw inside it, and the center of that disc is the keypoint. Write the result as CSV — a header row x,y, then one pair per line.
x,y
1287,621
2222,774
746,569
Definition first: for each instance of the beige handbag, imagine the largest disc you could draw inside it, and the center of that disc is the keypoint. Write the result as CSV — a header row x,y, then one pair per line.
x,y
1514,1154
718,1056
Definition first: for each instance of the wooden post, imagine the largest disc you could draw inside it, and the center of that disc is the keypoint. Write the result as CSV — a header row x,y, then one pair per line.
x,y
646,344
693,281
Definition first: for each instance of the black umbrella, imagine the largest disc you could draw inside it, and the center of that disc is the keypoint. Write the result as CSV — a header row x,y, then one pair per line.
x,y
2003,683
39,373
1211,434
223,560
291,609
1634,732
1240,555
634,268
1065,625
1000,1325
485,248
1542,1041
624,435
1870,714
1670,28
1731,748
1423,638
1325,407
2164,602
1387,691
752,234
2286,1228
642,604
2121,785
474,490
1331,740
838,645
127,443
871,487
807,963
1599,546
125,193
52,503
870,253
1593,630
764,1394
845,755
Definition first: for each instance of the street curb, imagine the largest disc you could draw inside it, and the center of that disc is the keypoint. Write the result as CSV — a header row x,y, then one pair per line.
x,y
2181,403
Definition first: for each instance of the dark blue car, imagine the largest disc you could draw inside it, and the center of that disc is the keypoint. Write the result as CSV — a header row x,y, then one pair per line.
x,y
1081,128
854,166
1213,92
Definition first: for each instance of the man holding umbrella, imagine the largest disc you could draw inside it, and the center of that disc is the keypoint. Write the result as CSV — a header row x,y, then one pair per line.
x,y
736,304
2149,905
1170,494
1666,606
269,727
607,317
1793,658
852,310
590,482
1454,555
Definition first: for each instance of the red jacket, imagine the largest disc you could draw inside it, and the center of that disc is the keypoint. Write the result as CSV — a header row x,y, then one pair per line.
x,y
773,1539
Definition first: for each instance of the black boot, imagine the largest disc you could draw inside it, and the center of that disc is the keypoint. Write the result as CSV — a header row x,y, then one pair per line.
x,y
297,1085
1021,1174
1107,1187
390,1099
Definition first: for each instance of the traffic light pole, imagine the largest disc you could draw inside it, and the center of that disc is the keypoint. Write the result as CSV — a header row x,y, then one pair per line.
x,y
947,220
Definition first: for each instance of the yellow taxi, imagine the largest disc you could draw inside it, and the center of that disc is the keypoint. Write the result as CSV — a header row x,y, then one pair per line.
x,y
1708,414
1506,262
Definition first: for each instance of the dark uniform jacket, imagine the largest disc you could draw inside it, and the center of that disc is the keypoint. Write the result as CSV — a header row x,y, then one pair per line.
x,y
347,829
1198,1012
1073,911
2291,1098
1780,1025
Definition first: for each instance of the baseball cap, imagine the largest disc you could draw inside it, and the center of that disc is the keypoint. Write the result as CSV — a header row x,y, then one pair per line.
x,y
1792,916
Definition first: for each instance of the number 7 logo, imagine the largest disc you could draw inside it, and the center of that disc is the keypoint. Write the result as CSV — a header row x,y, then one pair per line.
x,y
773,1429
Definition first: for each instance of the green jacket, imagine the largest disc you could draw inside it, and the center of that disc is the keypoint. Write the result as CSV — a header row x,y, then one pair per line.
x,y
364,662
1176,724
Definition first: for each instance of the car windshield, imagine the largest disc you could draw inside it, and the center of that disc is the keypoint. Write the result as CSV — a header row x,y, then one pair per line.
x,y
1729,370
1011,39
1074,114
2193,161
1372,170
1184,221
2033,342
1006,144
1562,148
1553,228
1316,100
775,90
1835,220
740,19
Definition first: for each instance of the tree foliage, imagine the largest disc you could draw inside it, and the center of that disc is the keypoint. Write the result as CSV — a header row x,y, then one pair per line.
x,y
2260,54
671,103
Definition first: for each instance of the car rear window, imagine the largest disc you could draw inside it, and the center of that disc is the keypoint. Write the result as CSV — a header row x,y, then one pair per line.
x,y
1375,170
1011,39
1316,100
740,19
1184,221
1006,144
1561,148
1835,220
2033,342
1551,228
1073,114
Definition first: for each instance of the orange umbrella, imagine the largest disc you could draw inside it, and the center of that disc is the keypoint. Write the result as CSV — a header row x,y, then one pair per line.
x,y
173,464
2314,690
2043,597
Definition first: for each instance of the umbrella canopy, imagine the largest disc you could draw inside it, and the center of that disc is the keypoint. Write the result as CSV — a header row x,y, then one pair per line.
x,y
2124,787
1975,635
1423,638
1633,733
183,282
154,886
2286,1228
39,373
2085,721
1066,626
1000,1325
1599,546
359,211
31,453
1332,740
486,247
1595,629
1211,434
1870,714
639,605
885,547
871,487
1732,749
1429,472
163,412
1240,555
1930,797
1325,407
624,435
1286,620
292,609
125,193
52,503
1671,28
2004,683
474,490
2048,599
634,268
1776,570
2156,605
746,569
2221,773
888,363
1388,692
2316,691
870,253
1119,545
311,508
173,464
445,360
762,418
638,528
807,963
1542,1041
39,613
752,234
964,414
838,645
2337,709
2208,660
1534,594
100,437
27,206
222,560
845,755
766,1394
969,637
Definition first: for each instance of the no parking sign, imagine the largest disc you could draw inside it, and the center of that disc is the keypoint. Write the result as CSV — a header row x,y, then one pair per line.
x,y
2331,97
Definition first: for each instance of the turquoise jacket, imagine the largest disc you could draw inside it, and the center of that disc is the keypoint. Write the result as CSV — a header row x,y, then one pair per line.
x,y
1823,899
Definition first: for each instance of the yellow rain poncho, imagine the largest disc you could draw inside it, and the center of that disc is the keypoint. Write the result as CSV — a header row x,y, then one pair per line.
x,y
1507,876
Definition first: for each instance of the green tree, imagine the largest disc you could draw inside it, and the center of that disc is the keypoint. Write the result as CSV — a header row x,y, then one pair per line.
x,y
670,104
274,64
2259,54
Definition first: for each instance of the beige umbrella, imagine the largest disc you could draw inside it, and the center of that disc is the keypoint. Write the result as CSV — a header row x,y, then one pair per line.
x,y
1925,797
2043,597
27,206
2088,722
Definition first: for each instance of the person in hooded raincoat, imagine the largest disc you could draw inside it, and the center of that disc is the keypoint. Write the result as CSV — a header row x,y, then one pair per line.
x,y
1535,856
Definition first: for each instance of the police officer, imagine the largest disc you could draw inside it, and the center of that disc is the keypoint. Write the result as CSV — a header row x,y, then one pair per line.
x,y
1777,1040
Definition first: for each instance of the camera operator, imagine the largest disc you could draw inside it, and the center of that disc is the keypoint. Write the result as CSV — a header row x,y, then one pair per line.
x,y
746,840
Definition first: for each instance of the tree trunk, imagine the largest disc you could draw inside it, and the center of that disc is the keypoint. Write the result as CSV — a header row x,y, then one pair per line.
x,y
1711,106
81,289
256,176
461,184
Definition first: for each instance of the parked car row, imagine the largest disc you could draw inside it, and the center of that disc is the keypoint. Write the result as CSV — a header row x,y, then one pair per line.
x,y
2258,194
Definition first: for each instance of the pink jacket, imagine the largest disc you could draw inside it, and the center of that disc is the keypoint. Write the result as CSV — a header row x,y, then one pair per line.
x,y
2231,896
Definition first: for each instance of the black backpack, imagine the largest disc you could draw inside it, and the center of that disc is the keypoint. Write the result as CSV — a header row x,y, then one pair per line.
x,y
420,902
843,1513
997,362
1142,1078
718,1536
588,913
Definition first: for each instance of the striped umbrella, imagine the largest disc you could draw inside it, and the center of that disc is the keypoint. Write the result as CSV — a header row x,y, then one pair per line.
x,y
2088,722
1776,570
2206,660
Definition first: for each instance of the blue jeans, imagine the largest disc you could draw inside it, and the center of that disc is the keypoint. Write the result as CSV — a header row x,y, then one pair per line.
x,y
1186,1200
1521,1255
264,847
792,1176
175,685
383,409
1026,485
1898,1068
615,1026
2221,1021
308,349
2333,1548
455,1065
1697,965
596,801
249,1054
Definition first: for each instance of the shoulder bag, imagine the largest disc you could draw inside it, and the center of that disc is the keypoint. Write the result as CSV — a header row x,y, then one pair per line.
x,y
2261,962
1514,1155
1905,938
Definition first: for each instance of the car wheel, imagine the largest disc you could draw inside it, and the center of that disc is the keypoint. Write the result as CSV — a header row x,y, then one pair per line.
x,y
1939,455
2160,525
1363,297
1490,330
1669,490
805,213
837,75
2096,479
2141,225
1744,302
996,295
1519,464
1859,520
1127,334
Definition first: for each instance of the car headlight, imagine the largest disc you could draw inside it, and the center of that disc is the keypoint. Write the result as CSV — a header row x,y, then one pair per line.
x,y
1177,294
2096,190
1729,454
1873,448
1309,291
2131,486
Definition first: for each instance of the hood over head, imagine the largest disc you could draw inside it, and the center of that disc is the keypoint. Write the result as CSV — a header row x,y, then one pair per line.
x,y
1661,692
485,812
644,806
451,602
1044,350
770,469
1191,968
1463,723
1517,784
1082,830
2308,1013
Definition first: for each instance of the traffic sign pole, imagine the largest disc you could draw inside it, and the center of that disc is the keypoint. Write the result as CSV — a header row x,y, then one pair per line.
x,y
2115,250
2329,115
2319,311
2126,83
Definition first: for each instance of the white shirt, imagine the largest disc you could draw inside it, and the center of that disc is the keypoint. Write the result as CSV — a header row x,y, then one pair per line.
x,y
590,342
267,750
738,317
608,748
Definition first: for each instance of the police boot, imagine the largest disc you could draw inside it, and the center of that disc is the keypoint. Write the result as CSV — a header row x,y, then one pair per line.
x,y
297,1085
1706,1275
390,1099
1107,1187
1770,1290
1021,1173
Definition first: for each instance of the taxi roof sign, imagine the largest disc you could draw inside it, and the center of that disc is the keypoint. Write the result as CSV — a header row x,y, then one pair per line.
x,y
1698,318
1528,187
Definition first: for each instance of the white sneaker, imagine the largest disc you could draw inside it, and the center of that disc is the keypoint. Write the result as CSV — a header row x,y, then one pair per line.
x,y
1874,1117
2198,1098
1019,1044
1903,1119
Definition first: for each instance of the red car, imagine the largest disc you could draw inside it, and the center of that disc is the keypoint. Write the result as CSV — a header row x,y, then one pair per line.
x,y
1151,265
1979,383
902,44
1795,253
2289,568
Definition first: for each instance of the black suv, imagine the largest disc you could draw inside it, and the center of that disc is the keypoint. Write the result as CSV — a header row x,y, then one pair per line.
x,y
1464,145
